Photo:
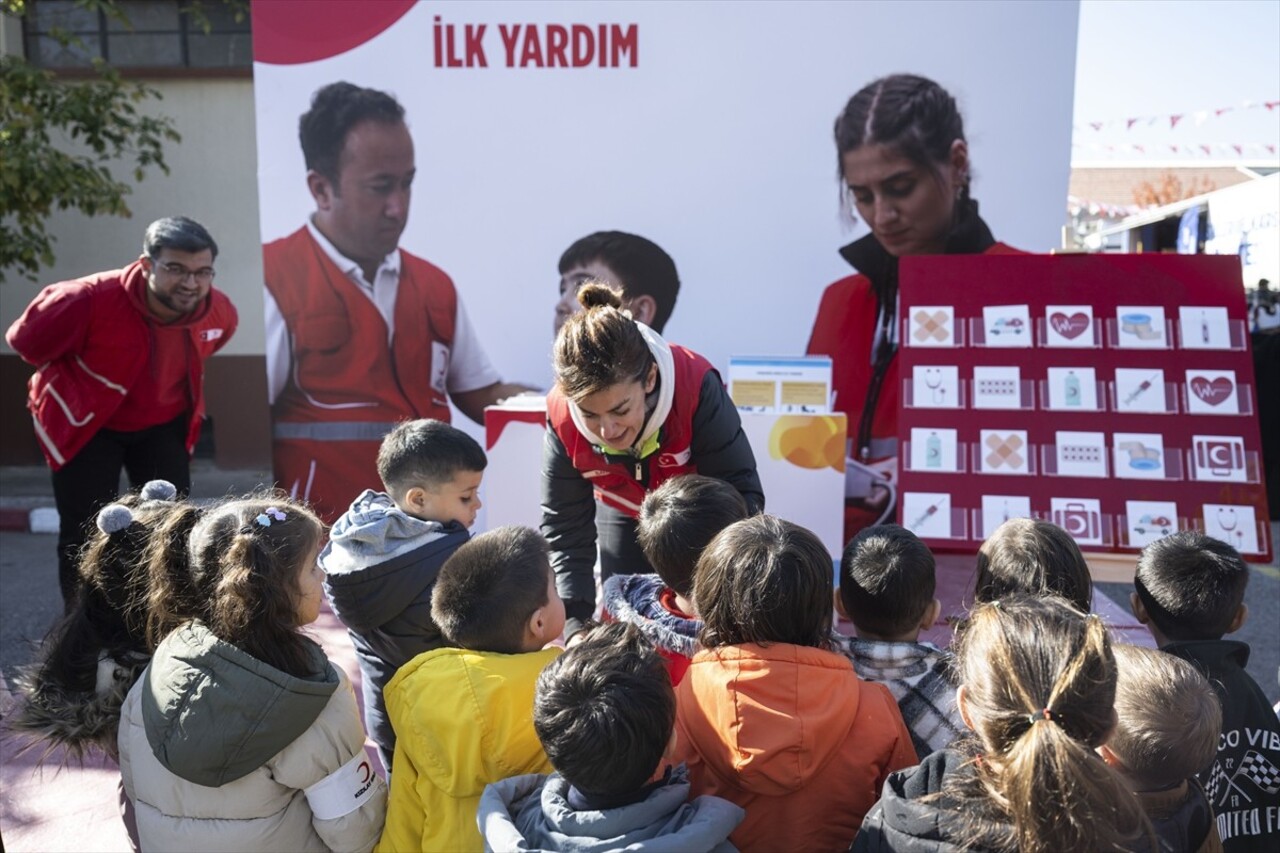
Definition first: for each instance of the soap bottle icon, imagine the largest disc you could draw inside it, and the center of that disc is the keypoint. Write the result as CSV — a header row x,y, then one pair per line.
x,y
933,451
1072,384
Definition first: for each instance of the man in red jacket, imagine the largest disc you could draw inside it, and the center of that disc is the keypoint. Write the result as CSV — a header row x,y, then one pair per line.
x,y
119,380
360,333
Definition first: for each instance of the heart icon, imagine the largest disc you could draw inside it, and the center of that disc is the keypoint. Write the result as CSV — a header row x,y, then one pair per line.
x,y
1212,392
1069,326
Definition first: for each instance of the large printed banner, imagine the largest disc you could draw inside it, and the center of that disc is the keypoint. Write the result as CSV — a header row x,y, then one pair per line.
x,y
704,127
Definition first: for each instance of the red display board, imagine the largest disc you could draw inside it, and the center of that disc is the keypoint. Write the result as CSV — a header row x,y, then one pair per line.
x,y
1111,394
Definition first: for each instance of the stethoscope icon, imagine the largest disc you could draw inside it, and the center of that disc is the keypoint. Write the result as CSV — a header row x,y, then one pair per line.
x,y
933,381
1226,514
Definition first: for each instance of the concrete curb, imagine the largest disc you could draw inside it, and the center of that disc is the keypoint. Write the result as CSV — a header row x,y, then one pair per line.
x,y
41,519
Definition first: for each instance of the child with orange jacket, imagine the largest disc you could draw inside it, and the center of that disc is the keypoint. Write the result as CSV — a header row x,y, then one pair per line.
x,y
768,716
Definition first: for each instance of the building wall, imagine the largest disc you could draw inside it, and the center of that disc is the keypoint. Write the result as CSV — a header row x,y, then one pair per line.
x,y
213,179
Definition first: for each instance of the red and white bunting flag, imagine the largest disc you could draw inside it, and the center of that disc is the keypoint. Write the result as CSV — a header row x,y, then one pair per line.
x,y
1129,123
1206,149
1173,121
1239,150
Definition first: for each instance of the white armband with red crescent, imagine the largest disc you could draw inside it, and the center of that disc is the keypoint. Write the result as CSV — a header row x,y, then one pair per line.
x,y
344,790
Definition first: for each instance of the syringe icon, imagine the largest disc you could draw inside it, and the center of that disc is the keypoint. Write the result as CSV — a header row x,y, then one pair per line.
x,y
929,511
1141,389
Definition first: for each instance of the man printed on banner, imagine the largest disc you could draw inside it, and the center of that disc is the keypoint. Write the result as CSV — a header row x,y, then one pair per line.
x,y
360,333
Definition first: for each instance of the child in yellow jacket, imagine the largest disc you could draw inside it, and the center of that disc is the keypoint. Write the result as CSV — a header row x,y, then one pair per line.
x,y
463,717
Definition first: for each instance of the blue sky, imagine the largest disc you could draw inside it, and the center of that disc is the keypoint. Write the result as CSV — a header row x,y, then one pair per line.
x,y
1139,58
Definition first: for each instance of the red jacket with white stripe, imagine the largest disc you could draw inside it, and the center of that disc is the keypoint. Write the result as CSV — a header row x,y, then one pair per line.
x,y
90,339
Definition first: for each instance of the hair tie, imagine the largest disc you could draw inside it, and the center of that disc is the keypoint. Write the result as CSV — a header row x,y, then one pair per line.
x,y
113,518
1042,714
158,490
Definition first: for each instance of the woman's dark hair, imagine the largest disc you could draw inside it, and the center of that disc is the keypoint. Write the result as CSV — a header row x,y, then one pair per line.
x,y
1039,681
764,580
599,347
1036,557
235,567
906,113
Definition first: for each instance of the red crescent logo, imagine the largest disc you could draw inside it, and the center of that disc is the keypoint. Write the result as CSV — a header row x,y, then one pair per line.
x,y
290,32
367,770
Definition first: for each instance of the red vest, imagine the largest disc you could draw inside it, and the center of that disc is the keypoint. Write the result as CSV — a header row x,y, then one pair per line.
x,y
844,329
347,387
622,481
342,367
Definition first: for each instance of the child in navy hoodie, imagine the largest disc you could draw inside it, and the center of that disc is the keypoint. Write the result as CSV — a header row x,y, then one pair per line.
x,y
385,552
677,521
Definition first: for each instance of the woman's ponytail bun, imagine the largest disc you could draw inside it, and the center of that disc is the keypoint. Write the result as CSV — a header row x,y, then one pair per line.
x,y
596,294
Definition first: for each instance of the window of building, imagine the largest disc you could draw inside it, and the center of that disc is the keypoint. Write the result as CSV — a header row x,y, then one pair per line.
x,y
155,34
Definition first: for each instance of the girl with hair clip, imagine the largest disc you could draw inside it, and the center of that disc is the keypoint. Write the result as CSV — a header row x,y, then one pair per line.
x,y
903,163
1038,686
628,412
241,735
71,696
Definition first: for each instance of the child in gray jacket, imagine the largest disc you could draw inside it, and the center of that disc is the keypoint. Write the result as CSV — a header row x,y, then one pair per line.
x,y
605,713
385,552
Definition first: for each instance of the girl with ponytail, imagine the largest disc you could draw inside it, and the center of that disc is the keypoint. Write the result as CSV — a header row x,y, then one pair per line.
x,y
1038,690
241,735
903,166
628,412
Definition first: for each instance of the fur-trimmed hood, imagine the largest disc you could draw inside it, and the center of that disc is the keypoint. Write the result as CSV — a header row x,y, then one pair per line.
x,y
58,715
635,599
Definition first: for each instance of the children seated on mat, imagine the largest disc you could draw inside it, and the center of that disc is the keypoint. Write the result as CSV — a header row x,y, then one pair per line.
x,y
886,589
1167,727
1036,557
240,734
768,716
462,716
1189,591
605,712
384,554
677,520
1038,684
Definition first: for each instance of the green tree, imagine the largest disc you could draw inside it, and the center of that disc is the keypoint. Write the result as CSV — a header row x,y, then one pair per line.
x,y
100,117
